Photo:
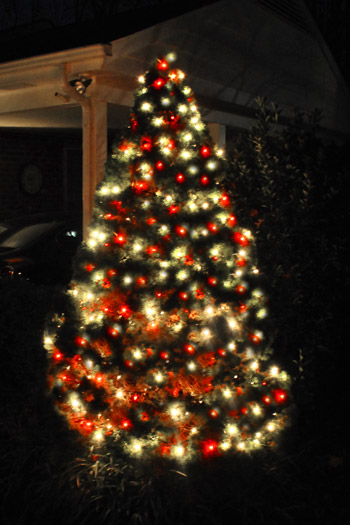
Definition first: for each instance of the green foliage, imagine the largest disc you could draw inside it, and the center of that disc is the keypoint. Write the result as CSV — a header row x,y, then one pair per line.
x,y
288,183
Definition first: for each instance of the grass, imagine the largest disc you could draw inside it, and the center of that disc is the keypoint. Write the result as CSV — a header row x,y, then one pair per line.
x,y
46,477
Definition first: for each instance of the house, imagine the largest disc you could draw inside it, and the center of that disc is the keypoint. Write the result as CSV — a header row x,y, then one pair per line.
x,y
231,50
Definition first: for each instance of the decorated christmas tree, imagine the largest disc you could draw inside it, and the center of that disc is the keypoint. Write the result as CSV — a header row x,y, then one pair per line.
x,y
162,350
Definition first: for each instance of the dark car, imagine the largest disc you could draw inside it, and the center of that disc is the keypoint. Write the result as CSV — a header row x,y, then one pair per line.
x,y
40,248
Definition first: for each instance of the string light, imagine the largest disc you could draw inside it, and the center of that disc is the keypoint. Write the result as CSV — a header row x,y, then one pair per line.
x,y
163,330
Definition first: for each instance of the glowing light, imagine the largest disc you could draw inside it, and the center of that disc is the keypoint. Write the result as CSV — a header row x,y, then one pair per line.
x,y
182,108
146,106
274,371
179,450
232,430
165,101
98,435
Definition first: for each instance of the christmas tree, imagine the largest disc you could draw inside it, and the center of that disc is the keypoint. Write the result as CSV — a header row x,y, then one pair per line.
x,y
161,350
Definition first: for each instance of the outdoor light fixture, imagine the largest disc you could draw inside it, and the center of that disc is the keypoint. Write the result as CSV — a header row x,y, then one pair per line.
x,y
80,84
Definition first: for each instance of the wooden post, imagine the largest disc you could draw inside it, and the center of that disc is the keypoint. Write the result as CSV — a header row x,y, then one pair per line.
x,y
218,133
94,153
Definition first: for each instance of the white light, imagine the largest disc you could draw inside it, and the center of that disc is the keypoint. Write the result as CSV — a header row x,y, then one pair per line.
x,y
136,447
158,121
274,371
166,101
186,154
206,332
232,430
256,410
116,189
209,310
171,57
119,394
146,106
182,108
127,279
193,169
137,354
98,436
159,377
48,341
254,365
227,393
179,450
186,90
232,324
225,445
211,165
141,79
192,366
241,446
205,205
271,427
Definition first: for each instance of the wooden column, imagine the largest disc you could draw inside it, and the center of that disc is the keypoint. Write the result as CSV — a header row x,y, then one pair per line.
x,y
94,153
218,133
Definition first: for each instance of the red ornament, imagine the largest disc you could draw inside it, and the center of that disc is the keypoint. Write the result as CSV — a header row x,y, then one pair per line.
x,y
80,341
160,165
162,65
173,209
126,424
254,338
240,289
180,230
58,355
241,262
184,296
140,186
210,447
146,144
125,311
158,83
150,250
212,281
222,352
280,395
225,200
189,349
205,180
120,239
212,227
200,294
213,413
90,267
164,355
151,220
205,151
180,178
113,332
231,221
240,239
267,400
141,281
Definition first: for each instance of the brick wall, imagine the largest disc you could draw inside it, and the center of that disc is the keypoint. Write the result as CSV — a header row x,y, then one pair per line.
x,y
48,150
